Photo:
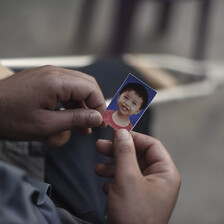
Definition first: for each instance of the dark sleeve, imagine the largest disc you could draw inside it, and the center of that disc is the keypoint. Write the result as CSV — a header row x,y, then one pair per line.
x,y
23,200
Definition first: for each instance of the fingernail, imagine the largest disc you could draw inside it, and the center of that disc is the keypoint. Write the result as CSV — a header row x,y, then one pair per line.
x,y
122,134
103,125
95,118
90,131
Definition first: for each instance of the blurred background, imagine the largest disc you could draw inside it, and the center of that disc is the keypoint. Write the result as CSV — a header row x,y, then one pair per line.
x,y
49,28
177,44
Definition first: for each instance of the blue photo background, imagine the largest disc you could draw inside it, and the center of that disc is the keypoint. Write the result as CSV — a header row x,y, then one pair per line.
x,y
132,79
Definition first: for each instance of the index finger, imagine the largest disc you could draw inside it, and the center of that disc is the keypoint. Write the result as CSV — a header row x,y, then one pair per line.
x,y
81,87
92,94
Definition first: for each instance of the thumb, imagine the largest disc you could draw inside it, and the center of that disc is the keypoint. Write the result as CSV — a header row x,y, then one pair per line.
x,y
126,165
73,118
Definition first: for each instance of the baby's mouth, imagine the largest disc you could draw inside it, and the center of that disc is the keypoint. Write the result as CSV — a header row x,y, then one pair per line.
x,y
124,108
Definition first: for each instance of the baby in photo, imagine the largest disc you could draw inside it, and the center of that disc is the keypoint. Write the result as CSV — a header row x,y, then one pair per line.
x,y
129,104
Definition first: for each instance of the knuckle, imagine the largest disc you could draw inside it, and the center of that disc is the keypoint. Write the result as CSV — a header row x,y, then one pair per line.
x,y
47,71
77,120
92,79
51,76
48,67
174,178
178,178
50,71
157,142
73,120
87,77
123,148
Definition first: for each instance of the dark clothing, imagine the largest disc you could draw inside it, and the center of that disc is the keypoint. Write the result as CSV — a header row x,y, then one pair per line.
x,y
24,200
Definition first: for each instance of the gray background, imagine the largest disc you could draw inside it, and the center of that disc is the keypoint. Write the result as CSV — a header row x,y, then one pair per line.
x,y
192,129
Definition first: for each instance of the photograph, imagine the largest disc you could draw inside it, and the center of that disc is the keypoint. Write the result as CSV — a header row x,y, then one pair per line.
x,y
129,104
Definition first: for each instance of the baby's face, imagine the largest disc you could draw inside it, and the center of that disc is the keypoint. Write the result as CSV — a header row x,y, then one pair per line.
x,y
129,103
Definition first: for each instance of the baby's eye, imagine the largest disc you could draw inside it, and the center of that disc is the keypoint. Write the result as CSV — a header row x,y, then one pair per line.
x,y
134,103
126,97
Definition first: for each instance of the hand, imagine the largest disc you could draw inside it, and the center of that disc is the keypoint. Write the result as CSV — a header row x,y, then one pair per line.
x,y
28,101
146,181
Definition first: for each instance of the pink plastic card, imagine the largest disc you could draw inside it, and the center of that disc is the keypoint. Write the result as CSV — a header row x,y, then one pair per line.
x,y
129,104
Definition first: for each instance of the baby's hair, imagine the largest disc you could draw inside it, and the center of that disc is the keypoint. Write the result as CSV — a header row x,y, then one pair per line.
x,y
139,90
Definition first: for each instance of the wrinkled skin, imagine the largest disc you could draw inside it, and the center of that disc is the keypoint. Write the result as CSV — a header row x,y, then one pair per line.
x,y
28,100
146,181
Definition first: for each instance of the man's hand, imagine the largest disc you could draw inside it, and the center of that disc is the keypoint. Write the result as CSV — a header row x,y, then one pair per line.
x,y
146,181
28,101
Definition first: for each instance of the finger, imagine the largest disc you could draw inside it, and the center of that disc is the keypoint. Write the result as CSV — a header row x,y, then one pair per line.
x,y
103,125
85,131
125,156
107,187
105,170
73,105
58,139
50,122
78,89
105,147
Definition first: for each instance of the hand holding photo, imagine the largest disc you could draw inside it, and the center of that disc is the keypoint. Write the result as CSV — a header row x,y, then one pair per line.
x,y
129,103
